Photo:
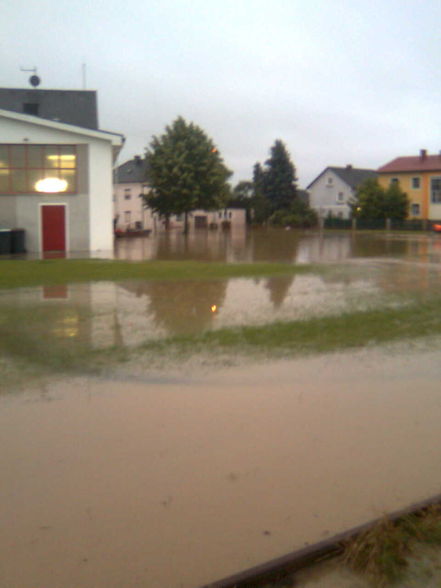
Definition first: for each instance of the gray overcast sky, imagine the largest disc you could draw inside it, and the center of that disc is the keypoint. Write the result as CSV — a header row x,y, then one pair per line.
x,y
338,81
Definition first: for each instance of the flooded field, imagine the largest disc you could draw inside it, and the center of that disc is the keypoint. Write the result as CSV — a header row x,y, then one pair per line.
x,y
279,245
178,476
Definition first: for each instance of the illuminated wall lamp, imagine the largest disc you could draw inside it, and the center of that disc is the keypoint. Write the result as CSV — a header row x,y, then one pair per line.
x,y
51,185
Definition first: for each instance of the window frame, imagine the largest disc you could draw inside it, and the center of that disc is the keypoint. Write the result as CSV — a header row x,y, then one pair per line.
x,y
412,182
28,167
435,199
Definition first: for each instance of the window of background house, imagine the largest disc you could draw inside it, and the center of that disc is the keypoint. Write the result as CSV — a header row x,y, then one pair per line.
x,y
435,190
127,194
329,181
394,180
340,198
415,209
415,183
127,215
29,169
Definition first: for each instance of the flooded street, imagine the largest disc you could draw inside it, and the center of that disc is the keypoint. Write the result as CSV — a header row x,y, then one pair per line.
x,y
180,483
180,476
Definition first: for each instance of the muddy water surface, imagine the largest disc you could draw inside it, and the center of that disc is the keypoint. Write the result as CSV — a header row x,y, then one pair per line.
x,y
104,314
179,482
177,478
279,245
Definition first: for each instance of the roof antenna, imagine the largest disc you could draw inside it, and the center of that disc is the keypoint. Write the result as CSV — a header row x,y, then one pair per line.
x,y
34,80
83,69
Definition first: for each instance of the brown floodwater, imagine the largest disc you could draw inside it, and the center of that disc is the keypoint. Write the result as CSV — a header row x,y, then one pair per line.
x,y
180,476
179,481
104,314
281,246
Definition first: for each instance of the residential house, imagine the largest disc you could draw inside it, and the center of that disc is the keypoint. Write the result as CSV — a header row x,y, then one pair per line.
x,y
56,170
130,184
420,177
130,214
331,192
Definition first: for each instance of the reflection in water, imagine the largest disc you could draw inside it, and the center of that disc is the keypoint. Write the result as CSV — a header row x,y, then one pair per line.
x,y
279,288
103,314
279,245
181,307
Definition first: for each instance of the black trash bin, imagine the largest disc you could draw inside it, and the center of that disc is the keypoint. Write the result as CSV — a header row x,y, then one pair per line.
x,y
18,241
5,241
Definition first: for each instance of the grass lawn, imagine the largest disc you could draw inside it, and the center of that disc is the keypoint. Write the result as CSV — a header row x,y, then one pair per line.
x,y
25,273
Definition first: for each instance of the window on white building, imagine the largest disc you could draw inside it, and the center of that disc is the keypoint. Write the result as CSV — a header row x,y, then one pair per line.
x,y
340,198
127,193
29,169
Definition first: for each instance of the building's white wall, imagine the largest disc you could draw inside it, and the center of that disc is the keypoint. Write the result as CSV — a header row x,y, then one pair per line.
x,y
434,208
323,196
89,211
100,202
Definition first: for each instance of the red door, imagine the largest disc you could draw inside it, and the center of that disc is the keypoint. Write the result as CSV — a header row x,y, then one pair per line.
x,y
53,227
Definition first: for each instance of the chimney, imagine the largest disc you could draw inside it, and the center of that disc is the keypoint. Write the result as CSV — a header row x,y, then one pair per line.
x,y
138,159
349,166
423,154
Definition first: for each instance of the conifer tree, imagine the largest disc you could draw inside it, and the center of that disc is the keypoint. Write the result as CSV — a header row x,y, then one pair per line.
x,y
185,172
280,182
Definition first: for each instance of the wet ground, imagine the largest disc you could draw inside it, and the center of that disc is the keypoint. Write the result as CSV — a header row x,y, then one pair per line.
x,y
178,477
180,480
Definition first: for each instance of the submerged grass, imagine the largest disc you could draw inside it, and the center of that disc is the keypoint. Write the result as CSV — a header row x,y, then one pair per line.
x,y
317,335
382,552
26,273
52,340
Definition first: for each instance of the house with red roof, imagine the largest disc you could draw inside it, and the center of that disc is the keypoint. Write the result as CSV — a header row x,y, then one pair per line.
x,y
420,177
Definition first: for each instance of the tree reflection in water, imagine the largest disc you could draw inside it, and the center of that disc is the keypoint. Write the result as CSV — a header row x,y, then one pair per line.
x,y
182,307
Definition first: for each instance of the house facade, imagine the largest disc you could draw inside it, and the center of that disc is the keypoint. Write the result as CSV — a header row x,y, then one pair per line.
x,y
420,177
130,184
130,214
331,192
56,177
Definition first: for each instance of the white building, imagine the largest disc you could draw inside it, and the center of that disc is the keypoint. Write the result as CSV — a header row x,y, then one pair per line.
x,y
56,176
331,192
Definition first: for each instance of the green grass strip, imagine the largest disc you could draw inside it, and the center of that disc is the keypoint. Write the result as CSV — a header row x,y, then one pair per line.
x,y
26,273
317,335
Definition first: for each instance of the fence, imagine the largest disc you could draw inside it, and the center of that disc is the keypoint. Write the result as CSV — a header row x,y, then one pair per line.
x,y
380,224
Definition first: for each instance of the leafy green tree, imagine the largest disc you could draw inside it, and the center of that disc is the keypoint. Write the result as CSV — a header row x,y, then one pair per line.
x,y
185,172
396,204
280,182
373,202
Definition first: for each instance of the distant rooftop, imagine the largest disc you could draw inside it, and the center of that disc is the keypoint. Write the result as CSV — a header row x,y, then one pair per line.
x,y
132,171
74,107
414,163
352,176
